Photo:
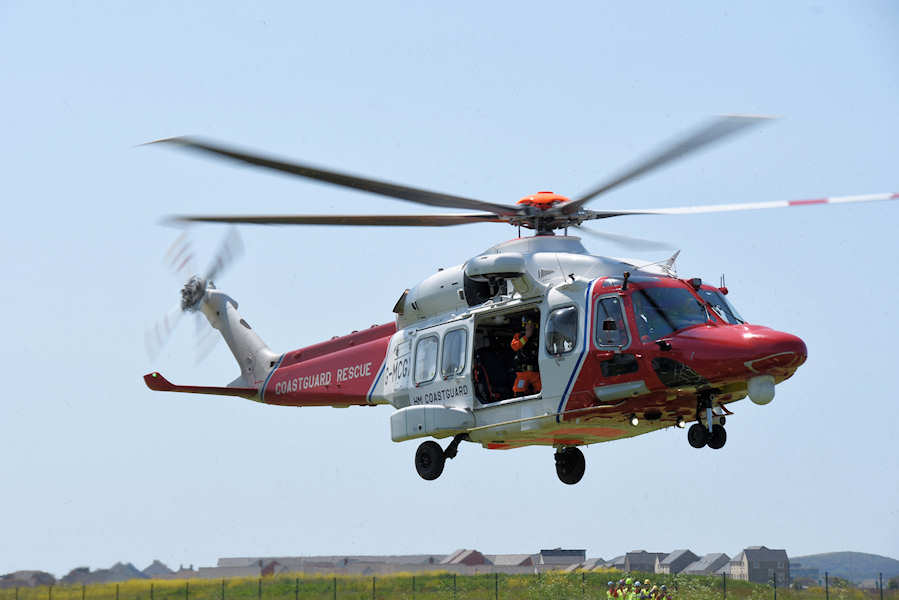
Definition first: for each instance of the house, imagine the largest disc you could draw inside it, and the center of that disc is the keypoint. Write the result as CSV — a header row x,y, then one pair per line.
x,y
708,564
642,561
465,557
675,562
26,579
761,565
157,569
617,563
560,558
511,560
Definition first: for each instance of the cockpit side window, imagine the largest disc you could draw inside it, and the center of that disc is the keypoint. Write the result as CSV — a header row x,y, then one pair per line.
x,y
611,330
721,306
561,331
660,311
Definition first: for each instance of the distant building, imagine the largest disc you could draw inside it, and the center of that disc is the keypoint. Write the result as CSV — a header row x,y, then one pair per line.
x,y
511,560
642,561
709,564
617,563
675,562
157,570
26,579
560,558
465,557
797,571
761,565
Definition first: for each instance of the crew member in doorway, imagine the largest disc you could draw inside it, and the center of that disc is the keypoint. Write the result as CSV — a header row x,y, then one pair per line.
x,y
527,376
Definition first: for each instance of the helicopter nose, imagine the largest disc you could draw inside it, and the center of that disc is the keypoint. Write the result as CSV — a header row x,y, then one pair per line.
x,y
774,350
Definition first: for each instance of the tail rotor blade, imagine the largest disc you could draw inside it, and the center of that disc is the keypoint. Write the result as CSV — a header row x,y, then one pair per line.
x,y
179,258
230,250
626,242
206,339
156,336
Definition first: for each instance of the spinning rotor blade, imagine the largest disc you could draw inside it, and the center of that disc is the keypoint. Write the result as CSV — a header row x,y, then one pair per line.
x,y
155,337
230,250
714,131
180,256
624,241
374,186
377,220
714,208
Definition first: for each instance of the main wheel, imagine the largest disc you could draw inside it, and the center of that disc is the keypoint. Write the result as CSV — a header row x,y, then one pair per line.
x,y
570,465
429,460
718,437
698,435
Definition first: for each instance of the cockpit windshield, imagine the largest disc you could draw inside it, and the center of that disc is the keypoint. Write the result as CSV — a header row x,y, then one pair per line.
x,y
663,310
721,306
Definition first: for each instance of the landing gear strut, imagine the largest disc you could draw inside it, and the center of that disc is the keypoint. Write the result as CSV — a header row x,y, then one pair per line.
x,y
710,433
570,464
430,458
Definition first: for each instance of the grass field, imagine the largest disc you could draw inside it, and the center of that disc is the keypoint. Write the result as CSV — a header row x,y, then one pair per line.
x,y
431,586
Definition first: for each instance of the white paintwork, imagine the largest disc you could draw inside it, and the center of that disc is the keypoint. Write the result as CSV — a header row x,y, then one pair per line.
x,y
250,352
424,421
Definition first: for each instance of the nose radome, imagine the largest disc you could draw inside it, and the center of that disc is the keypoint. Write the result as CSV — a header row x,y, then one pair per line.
x,y
776,350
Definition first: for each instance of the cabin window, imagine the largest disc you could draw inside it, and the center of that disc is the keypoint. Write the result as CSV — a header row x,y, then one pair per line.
x,y
426,359
610,326
561,331
455,345
661,311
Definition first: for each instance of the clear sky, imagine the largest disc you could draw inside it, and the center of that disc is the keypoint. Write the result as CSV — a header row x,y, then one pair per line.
x,y
489,100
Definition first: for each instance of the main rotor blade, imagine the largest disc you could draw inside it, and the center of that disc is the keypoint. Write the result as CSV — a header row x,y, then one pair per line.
x,y
713,131
714,208
155,337
376,220
375,186
624,241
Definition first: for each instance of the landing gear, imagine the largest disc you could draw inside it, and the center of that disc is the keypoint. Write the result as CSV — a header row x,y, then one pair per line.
x,y
718,437
710,430
570,464
430,458
698,435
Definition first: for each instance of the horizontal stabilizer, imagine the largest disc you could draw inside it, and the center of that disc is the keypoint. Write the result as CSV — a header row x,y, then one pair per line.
x,y
156,382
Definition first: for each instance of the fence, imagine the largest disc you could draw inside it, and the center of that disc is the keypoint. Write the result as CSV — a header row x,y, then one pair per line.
x,y
435,586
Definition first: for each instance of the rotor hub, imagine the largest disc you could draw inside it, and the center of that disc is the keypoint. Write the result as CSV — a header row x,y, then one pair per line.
x,y
192,293
543,200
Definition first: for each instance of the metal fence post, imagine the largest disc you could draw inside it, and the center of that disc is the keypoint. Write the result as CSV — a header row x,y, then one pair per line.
x,y
724,585
186,591
17,592
496,586
116,592
826,587
413,587
296,589
454,586
335,588
223,589
83,591
50,592
373,592
881,585
259,589
775,585
151,591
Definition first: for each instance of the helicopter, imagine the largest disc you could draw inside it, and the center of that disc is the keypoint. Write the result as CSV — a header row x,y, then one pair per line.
x,y
534,341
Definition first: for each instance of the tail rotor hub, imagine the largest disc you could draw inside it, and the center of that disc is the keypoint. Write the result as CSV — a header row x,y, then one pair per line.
x,y
192,293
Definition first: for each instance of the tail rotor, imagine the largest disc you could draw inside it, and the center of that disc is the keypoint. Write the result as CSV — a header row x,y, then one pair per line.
x,y
180,259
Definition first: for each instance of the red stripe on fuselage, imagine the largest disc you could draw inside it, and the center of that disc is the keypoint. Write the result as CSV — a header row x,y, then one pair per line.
x,y
805,202
339,372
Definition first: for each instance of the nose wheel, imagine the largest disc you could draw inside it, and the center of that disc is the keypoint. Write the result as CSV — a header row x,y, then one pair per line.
x,y
570,465
710,433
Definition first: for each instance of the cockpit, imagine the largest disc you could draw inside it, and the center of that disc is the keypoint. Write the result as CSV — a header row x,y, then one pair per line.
x,y
662,310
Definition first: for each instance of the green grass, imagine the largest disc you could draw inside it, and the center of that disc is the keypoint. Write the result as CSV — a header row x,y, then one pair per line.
x,y
431,586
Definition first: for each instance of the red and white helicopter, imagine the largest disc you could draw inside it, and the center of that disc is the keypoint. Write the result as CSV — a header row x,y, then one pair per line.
x,y
617,349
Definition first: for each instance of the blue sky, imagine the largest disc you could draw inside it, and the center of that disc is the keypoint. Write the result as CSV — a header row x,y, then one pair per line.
x,y
489,101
